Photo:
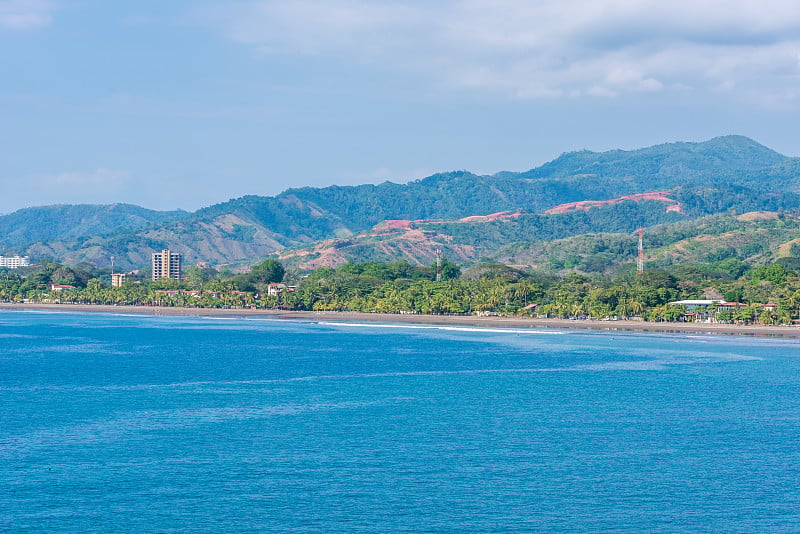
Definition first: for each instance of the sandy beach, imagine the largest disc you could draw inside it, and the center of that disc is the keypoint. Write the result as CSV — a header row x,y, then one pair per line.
x,y
493,321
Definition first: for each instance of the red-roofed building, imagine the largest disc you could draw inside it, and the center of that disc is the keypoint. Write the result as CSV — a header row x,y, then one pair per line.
x,y
60,287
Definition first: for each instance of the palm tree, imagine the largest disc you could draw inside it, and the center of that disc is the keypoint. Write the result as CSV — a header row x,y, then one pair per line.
x,y
624,308
636,306
577,309
793,302
600,310
522,290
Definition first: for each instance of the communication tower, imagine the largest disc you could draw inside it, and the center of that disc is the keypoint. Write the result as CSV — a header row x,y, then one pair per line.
x,y
640,257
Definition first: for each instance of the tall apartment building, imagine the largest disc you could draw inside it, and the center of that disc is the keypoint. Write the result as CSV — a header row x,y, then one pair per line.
x,y
13,262
167,264
118,279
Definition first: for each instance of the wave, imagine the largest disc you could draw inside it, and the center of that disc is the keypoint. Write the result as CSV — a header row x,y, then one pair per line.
x,y
442,327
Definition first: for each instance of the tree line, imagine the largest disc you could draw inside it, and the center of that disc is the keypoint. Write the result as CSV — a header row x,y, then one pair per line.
x,y
768,294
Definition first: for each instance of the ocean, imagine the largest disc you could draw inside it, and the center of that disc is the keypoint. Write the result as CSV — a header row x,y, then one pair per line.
x,y
114,423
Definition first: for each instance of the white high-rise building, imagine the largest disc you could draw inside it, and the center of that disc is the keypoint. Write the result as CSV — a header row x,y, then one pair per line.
x,y
13,262
167,264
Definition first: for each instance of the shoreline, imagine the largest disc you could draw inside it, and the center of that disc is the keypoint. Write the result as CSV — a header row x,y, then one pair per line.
x,y
792,332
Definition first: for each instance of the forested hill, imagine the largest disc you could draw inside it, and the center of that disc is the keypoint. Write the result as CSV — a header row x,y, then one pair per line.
x,y
725,173
708,176
65,221
677,163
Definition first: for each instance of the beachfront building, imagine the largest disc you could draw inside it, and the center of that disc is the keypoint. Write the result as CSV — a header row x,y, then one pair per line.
x,y
117,279
167,264
14,262
702,310
60,287
274,290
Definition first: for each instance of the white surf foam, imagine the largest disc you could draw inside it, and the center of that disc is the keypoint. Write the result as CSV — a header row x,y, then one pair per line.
x,y
442,327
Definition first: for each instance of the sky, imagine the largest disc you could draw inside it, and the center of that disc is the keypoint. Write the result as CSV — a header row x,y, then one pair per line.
x,y
186,103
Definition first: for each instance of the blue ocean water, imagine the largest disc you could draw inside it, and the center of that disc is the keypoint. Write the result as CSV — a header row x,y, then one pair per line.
x,y
158,424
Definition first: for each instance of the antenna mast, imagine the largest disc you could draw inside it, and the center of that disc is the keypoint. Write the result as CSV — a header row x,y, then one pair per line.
x,y
640,257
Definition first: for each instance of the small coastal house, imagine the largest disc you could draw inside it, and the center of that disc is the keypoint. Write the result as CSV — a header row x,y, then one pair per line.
x,y
60,287
531,308
705,310
275,289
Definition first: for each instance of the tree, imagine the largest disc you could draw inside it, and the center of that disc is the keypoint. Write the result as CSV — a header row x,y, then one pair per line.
x,y
267,272
746,314
734,295
656,278
196,276
725,316
94,290
775,273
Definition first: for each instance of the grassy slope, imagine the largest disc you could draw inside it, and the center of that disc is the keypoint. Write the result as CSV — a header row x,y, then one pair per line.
x,y
709,177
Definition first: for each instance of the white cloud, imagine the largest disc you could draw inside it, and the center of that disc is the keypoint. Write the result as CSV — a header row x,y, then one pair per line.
x,y
546,48
25,14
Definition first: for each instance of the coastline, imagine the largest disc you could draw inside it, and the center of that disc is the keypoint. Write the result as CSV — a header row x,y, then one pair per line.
x,y
439,320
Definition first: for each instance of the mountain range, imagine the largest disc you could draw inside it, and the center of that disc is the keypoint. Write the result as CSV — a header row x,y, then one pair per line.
x,y
469,217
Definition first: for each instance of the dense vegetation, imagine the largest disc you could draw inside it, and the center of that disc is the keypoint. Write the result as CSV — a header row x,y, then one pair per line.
x,y
768,294
64,222
723,173
624,217
709,240
574,264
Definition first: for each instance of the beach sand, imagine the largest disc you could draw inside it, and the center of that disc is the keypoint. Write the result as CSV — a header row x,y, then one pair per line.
x,y
492,321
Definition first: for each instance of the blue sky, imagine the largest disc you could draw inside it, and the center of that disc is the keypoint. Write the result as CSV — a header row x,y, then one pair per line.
x,y
182,104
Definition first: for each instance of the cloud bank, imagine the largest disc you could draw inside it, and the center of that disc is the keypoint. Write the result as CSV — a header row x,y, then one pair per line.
x,y
547,48
24,14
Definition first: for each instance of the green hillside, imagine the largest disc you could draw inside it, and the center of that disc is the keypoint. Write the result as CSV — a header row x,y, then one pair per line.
x,y
722,240
599,240
674,163
65,222
716,176
727,172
